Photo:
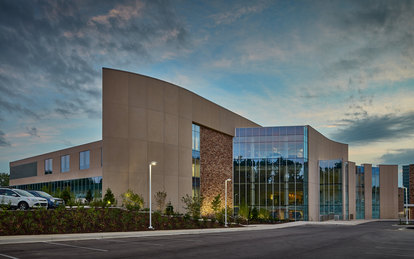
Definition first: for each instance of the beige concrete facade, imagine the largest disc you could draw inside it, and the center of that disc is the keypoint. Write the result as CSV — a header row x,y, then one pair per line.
x,y
388,191
95,168
321,148
146,119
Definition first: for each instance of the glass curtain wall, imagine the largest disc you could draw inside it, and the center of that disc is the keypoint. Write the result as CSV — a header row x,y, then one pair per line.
x,y
375,193
79,187
270,171
360,192
346,191
406,183
196,160
330,180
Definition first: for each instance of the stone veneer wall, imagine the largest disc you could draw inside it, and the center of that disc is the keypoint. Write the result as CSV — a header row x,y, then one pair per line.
x,y
216,155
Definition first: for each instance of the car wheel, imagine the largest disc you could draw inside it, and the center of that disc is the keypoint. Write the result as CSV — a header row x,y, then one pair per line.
x,y
23,206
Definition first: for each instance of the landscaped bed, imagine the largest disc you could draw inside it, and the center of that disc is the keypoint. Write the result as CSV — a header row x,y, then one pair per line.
x,y
84,220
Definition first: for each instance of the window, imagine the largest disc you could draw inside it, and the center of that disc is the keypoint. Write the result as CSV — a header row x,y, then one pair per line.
x,y
48,166
84,160
64,163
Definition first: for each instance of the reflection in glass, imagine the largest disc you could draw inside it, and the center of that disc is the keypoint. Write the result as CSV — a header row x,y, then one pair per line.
x,y
375,193
270,170
79,187
360,192
196,160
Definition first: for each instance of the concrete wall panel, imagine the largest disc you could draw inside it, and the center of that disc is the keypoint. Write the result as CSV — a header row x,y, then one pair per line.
x,y
388,191
137,123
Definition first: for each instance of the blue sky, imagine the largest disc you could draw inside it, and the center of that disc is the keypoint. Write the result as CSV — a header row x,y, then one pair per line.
x,y
344,67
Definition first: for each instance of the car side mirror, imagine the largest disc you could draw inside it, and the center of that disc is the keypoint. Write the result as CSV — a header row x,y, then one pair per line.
x,y
15,195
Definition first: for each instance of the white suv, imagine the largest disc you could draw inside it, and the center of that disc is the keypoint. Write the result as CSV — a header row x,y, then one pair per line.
x,y
20,199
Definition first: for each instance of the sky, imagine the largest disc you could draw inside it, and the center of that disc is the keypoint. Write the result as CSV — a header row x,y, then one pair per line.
x,y
344,67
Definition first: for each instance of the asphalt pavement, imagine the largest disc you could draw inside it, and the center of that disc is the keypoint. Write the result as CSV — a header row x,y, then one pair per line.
x,y
375,239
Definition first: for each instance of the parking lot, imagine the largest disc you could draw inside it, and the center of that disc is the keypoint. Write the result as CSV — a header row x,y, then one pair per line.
x,y
369,240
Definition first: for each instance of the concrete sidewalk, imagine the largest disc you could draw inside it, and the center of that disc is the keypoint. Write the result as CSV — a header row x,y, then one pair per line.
x,y
107,235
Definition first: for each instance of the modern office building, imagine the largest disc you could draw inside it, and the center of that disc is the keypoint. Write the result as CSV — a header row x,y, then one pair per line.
x,y
292,172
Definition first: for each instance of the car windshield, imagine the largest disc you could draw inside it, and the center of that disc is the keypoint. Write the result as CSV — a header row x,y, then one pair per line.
x,y
24,193
44,194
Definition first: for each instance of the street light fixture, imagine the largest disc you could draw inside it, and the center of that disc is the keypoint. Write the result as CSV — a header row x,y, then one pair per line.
x,y
153,163
225,202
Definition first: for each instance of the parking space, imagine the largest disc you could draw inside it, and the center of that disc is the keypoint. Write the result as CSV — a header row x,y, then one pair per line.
x,y
371,240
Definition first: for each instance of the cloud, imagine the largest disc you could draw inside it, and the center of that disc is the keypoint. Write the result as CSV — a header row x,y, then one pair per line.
x,y
121,13
50,50
375,128
32,131
3,141
398,156
237,13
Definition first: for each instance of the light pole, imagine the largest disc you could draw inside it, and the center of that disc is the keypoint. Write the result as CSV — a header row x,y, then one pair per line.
x,y
225,201
406,204
150,207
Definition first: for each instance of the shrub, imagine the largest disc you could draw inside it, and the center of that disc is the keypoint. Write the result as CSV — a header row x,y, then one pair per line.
x,y
160,200
109,198
264,214
169,210
89,196
66,195
193,205
216,204
244,211
131,200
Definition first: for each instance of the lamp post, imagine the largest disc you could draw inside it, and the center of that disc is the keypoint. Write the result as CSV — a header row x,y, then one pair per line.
x,y
225,201
150,207
406,204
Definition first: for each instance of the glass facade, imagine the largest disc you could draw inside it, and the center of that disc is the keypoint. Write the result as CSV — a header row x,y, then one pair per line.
x,y
406,182
48,166
360,192
375,193
196,159
346,191
84,160
270,170
78,186
330,180
65,163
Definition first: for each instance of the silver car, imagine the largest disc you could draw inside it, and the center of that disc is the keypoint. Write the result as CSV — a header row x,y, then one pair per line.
x,y
20,199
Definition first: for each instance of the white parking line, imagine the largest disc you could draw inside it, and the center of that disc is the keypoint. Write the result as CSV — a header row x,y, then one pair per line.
x,y
8,256
389,254
83,247
140,242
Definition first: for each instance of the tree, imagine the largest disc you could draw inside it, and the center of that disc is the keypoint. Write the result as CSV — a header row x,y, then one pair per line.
x,y
66,195
4,179
109,198
89,196
160,200
216,203
193,205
